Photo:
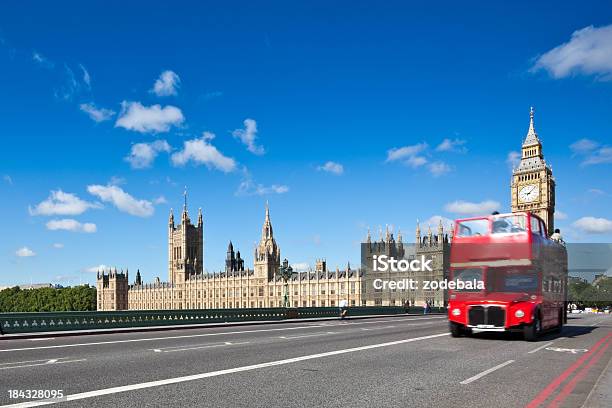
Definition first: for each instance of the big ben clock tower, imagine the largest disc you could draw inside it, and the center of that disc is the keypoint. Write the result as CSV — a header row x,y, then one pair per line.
x,y
533,184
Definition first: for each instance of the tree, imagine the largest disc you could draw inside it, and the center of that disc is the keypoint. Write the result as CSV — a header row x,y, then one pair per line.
x,y
78,298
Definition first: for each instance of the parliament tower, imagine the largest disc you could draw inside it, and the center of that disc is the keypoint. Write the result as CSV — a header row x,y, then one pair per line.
x,y
267,253
185,246
533,184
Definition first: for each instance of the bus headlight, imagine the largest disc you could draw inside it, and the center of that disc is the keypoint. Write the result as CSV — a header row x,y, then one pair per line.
x,y
519,313
456,312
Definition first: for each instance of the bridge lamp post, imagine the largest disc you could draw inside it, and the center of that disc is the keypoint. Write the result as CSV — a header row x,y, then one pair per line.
x,y
285,272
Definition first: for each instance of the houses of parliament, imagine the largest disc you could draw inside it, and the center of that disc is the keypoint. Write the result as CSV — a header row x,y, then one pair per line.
x,y
188,287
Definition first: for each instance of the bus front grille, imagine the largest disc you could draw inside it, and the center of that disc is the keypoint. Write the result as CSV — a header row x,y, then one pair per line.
x,y
496,316
490,316
476,315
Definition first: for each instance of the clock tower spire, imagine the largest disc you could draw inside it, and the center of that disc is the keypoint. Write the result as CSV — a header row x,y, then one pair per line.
x,y
533,184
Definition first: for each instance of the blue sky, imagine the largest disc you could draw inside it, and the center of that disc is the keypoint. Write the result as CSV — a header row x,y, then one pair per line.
x,y
342,116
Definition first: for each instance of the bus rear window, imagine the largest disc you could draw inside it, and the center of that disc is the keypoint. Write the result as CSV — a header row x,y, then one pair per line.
x,y
473,228
509,224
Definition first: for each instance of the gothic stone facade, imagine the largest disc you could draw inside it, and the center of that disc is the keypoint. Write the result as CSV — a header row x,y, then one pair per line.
x,y
235,287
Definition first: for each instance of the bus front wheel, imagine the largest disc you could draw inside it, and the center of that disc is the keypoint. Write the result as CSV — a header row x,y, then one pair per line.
x,y
532,331
456,329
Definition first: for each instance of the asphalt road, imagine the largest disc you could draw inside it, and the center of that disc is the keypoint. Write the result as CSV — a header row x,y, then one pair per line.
x,y
382,362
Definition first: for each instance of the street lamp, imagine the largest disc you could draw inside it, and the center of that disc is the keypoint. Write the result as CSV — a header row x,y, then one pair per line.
x,y
285,272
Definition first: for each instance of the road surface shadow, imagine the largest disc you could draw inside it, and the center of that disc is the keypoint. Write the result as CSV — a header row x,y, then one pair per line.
x,y
568,331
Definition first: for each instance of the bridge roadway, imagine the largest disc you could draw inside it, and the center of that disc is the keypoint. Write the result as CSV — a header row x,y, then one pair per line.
x,y
380,362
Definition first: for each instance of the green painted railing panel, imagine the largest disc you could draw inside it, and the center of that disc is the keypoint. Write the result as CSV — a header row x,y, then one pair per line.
x,y
65,321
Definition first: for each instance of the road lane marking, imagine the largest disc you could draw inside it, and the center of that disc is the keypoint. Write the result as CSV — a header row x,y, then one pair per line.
x,y
36,363
26,362
568,350
43,339
306,335
158,383
197,347
540,348
550,388
97,343
485,372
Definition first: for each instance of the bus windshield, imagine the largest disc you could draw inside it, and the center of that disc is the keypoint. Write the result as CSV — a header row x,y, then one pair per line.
x,y
473,228
509,224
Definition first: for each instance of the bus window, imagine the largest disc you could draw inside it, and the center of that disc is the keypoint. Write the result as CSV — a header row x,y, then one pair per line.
x,y
473,228
509,224
535,226
512,280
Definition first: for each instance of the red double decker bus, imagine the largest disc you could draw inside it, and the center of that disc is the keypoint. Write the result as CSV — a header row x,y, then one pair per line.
x,y
522,276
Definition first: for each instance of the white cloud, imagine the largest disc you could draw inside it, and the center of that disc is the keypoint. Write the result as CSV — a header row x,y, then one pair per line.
x,y
117,181
593,225
300,266
468,208
160,200
200,151
95,113
332,167
435,220
583,146
454,145
142,155
513,159
58,245
415,155
560,215
122,200
596,191
415,161
97,268
86,76
42,60
409,153
8,179
591,152
600,156
588,52
60,203
438,168
68,224
248,136
70,85
25,252
248,187
148,119
167,84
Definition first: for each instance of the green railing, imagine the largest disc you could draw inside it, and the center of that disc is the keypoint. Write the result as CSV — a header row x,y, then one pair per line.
x,y
66,321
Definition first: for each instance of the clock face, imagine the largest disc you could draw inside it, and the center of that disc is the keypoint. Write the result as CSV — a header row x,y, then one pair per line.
x,y
529,193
